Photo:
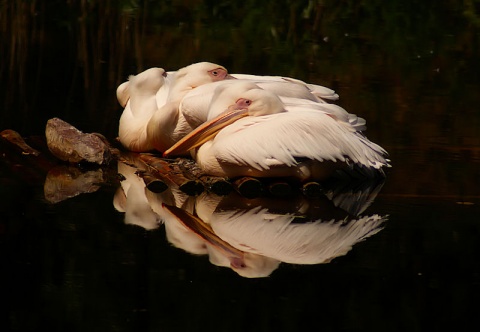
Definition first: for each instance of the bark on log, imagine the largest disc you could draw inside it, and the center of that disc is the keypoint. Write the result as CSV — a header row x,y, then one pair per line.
x,y
173,174
218,185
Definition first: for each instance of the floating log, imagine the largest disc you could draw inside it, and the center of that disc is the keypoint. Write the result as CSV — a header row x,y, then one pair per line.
x,y
312,189
153,182
70,144
173,174
25,162
280,188
16,139
216,184
249,187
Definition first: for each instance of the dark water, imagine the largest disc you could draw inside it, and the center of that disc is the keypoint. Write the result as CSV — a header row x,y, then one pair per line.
x,y
410,68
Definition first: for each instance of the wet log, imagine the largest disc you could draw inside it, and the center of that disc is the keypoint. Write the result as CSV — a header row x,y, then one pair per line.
x,y
249,187
280,188
218,185
70,144
25,162
173,174
153,182
16,139
312,189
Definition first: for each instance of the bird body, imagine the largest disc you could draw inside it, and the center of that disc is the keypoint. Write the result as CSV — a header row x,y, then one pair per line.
x,y
138,95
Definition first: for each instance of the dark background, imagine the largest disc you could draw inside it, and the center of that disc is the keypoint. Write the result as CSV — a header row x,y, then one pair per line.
x,y
410,68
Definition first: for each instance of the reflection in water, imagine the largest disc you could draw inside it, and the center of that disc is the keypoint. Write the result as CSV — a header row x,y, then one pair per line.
x,y
63,182
253,236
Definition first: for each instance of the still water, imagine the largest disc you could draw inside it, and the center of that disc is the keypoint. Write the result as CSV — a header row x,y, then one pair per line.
x,y
85,264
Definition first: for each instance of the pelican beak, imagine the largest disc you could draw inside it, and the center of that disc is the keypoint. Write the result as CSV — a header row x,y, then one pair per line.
x,y
229,77
205,232
206,131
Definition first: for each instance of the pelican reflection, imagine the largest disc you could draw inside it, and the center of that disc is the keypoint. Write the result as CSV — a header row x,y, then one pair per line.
x,y
254,236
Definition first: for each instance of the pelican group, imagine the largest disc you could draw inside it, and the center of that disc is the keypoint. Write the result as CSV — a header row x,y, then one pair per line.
x,y
244,125
151,118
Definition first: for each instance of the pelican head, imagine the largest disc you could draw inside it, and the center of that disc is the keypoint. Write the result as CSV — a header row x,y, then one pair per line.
x,y
148,81
145,83
257,102
195,75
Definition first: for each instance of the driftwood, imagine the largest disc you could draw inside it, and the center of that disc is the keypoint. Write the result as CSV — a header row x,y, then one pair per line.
x,y
25,162
279,188
68,144
14,138
218,185
312,189
249,187
153,183
172,174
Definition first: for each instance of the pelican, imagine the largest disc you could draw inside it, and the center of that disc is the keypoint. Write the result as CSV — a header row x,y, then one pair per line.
x,y
195,104
151,119
138,96
253,133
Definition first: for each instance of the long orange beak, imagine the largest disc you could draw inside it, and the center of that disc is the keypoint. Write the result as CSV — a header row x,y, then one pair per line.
x,y
205,232
205,132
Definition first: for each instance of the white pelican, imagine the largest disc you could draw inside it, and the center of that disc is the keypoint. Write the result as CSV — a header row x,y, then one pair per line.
x,y
138,96
151,119
195,104
263,137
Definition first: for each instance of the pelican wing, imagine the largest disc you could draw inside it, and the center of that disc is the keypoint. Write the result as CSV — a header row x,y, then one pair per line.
x,y
290,87
277,139
339,113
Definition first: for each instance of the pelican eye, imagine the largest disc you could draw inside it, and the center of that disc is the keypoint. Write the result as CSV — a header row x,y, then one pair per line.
x,y
243,102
